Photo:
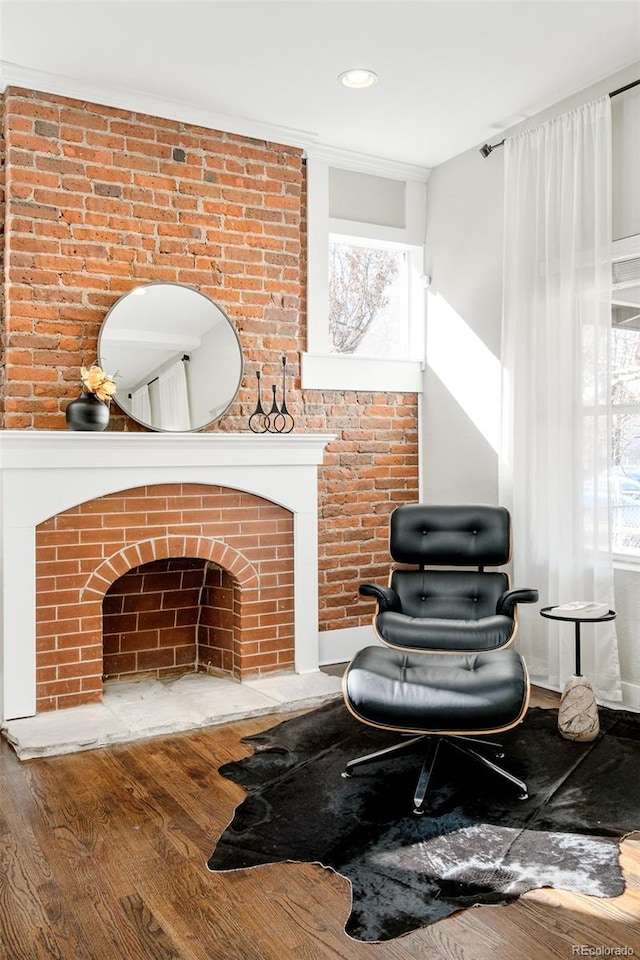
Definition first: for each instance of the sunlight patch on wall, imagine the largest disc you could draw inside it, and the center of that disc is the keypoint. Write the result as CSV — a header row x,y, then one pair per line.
x,y
466,366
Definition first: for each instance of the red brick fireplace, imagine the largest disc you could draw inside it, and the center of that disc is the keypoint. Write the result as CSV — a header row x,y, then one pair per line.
x,y
237,512
247,537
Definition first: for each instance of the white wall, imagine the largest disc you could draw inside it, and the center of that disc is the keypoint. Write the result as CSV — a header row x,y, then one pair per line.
x,y
214,373
464,259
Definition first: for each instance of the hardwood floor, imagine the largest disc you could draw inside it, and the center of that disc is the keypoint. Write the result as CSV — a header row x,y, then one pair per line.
x,y
102,857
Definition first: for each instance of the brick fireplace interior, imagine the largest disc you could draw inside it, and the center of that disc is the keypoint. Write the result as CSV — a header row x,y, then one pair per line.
x,y
169,617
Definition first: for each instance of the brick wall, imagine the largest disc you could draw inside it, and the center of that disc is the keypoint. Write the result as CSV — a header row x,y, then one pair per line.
x,y
100,200
2,257
216,624
82,552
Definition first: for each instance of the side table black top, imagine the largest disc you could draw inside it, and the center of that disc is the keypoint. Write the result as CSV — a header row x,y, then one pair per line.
x,y
549,614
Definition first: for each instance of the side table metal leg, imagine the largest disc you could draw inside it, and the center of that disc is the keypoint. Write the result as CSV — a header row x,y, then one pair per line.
x,y
578,664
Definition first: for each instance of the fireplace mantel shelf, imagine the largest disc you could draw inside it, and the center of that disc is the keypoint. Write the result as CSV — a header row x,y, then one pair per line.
x,y
33,449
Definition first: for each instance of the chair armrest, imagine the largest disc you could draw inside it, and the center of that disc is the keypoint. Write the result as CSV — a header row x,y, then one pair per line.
x,y
507,602
387,597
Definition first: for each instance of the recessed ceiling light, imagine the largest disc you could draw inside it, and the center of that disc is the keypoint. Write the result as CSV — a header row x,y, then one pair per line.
x,y
358,79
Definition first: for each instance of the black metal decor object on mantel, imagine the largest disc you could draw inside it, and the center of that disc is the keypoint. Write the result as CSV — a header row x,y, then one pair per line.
x,y
287,425
87,412
278,419
258,419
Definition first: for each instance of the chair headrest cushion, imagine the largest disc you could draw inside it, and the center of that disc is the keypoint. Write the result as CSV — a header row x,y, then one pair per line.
x,y
467,535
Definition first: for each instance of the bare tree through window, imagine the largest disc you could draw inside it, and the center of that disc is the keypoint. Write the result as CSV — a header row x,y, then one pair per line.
x,y
360,279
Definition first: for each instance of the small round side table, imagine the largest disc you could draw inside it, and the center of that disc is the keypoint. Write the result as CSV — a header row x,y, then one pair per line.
x,y
578,713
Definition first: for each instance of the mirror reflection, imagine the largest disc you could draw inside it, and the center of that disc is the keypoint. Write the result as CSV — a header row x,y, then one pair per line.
x,y
176,354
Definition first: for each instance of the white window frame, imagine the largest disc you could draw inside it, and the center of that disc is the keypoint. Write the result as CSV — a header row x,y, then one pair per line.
x,y
625,249
329,371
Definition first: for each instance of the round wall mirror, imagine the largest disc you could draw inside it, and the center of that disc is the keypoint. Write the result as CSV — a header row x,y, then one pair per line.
x,y
176,356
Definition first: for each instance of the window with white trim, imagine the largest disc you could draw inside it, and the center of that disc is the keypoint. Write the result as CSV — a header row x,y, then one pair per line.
x,y
625,385
625,318
366,291
371,293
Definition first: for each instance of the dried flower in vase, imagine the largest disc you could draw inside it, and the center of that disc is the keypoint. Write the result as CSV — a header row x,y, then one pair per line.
x,y
96,381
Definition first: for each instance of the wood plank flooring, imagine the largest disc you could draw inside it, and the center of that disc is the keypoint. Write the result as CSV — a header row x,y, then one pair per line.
x,y
102,857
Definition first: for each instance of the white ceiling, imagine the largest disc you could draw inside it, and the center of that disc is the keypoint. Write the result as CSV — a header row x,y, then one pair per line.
x,y
451,75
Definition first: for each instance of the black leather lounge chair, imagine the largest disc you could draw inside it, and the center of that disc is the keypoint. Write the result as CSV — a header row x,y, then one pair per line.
x,y
444,674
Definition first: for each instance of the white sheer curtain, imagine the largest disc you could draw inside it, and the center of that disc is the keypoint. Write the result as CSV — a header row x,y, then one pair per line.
x,y
556,384
170,399
141,404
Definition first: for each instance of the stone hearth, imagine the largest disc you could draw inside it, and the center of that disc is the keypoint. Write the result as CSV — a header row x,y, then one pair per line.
x,y
139,709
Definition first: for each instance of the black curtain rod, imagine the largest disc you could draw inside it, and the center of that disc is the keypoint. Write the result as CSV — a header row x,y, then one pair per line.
x,y
185,357
488,148
614,93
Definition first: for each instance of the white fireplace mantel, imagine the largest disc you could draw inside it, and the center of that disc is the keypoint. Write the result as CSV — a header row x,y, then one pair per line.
x,y
44,472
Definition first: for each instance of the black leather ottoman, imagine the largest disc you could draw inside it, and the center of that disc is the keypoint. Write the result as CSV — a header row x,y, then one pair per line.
x,y
452,698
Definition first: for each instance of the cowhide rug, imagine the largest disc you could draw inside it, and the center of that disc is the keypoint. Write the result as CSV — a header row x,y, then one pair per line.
x,y
475,844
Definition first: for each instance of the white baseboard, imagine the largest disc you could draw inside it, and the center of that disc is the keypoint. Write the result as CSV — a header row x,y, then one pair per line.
x,y
339,646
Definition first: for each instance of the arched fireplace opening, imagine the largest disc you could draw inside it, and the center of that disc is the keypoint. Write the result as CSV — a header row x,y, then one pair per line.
x,y
167,618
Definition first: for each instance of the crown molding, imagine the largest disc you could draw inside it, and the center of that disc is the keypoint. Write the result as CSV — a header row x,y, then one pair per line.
x,y
364,163
137,101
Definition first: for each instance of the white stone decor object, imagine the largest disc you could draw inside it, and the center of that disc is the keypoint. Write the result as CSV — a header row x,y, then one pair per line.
x,y
578,713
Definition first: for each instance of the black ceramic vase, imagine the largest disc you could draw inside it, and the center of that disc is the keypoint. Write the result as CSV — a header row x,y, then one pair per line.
x,y
87,413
